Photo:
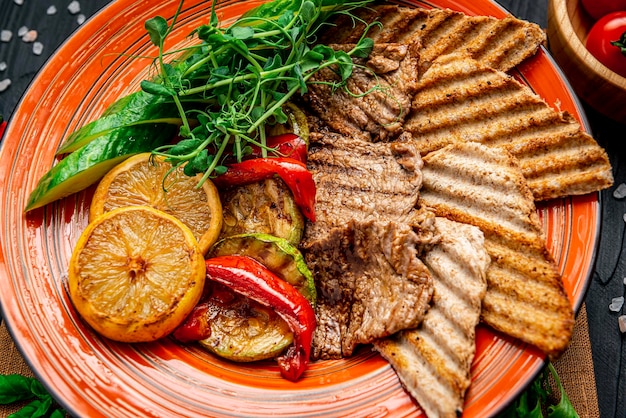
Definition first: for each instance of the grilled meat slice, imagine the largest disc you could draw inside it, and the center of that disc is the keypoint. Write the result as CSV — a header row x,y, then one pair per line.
x,y
483,186
364,244
370,284
377,96
498,43
433,361
461,100
361,180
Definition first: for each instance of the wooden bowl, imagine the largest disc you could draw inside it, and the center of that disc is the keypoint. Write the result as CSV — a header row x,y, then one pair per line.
x,y
595,84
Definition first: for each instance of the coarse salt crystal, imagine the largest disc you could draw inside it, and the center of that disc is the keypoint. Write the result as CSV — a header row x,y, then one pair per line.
x,y
616,304
37,48
22,31
51,10
4,84
6,35
18,2
80,19
73,7
621,320
620,191
3,66
30,36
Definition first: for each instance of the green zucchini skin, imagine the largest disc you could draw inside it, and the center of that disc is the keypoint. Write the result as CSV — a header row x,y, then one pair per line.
x,y
241,329
277,254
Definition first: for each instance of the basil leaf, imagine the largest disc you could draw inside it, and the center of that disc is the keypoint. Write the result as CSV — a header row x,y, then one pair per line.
x,y
564,409
15,387
35,409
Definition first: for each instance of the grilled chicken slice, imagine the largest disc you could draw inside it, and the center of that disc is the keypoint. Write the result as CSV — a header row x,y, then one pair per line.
x,y
433,361
461,100
377,96
498,43
483,186
370,284
362,180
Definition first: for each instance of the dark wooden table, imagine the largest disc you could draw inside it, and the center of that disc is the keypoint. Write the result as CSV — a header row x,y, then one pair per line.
x,y
609,351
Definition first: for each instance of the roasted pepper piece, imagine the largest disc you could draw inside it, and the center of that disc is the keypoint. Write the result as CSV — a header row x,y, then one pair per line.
x,y
293,172
195,327
286,145
250,278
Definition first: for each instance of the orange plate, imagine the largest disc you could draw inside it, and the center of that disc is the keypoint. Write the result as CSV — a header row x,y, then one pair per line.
x,y
92,376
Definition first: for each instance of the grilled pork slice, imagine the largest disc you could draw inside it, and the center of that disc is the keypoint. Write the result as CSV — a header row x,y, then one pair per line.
x,y
498,43
363,247
460,100
433,361
370,284
362,180
483,186
377,96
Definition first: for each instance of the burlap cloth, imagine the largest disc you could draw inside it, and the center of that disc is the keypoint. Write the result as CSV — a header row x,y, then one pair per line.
x,y
575,369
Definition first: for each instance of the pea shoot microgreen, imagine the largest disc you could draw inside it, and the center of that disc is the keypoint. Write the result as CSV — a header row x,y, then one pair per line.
x,y
219,94
242,75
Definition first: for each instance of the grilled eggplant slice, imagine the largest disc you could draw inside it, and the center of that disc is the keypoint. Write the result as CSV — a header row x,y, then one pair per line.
x,y
263,207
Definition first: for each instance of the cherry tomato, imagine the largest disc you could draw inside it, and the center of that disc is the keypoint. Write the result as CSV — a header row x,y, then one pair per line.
x,y
604,40
598,8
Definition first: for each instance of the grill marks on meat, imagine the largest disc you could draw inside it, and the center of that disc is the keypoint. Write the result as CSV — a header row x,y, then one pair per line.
x,y
491,149
461,100
408,42
371,284
379,93
464,94
363,248
362,180
498,43
483,186
434,360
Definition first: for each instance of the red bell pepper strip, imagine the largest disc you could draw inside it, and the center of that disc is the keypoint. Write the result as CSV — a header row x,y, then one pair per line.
x,y
285,145
293,172
196,326
252,279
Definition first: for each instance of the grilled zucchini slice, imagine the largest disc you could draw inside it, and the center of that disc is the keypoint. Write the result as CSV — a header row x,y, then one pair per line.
x,y
244,330
262,207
